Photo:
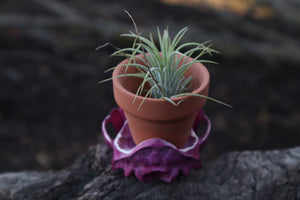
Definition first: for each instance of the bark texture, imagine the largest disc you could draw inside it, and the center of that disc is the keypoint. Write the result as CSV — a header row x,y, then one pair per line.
x,y
238,175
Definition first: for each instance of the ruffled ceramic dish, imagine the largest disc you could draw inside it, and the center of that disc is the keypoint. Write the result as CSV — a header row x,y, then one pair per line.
x,y
153,158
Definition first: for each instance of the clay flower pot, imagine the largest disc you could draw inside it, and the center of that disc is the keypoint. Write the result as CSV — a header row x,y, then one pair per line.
x,y
158,118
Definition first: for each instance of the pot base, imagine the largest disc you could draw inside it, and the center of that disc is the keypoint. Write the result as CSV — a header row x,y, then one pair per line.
x,y
153,158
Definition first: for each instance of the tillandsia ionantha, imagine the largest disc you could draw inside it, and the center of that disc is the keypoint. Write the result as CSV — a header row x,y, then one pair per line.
x,y
164,65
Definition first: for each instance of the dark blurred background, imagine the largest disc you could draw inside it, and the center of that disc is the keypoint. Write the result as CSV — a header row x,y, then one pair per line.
x,y
51,105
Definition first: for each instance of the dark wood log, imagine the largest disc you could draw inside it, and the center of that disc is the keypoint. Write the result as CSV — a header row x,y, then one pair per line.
x,y
238,175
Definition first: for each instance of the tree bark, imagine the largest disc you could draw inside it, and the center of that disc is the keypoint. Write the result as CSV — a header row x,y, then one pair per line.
x,y
238,175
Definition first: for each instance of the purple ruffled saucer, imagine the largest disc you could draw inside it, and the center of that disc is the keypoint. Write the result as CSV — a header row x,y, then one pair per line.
x,y
153,158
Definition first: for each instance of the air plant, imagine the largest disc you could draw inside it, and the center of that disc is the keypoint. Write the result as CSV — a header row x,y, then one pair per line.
x,y
164,65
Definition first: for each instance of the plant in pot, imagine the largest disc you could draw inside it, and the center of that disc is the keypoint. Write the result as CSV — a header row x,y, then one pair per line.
x,y
161,88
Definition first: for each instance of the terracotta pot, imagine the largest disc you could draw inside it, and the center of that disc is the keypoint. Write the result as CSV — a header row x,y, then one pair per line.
x,y
158,118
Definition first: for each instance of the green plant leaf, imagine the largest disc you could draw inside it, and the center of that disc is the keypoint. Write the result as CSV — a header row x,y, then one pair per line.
x,y
203,96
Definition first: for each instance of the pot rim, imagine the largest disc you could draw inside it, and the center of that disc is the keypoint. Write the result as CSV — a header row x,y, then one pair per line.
x,y
203,85
161,109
